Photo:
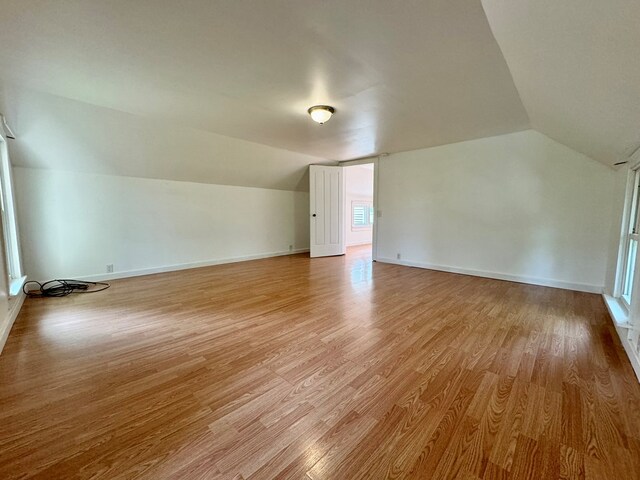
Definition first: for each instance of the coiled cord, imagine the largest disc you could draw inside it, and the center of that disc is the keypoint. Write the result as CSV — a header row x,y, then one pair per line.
x,y
62,288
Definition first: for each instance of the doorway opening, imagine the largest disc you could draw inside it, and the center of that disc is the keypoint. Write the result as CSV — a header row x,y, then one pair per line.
x,y
359,209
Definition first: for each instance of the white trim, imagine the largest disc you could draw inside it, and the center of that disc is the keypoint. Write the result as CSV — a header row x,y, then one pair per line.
x,y
356,244
617,310
184,266
634,160
359,161
376,203
15,304
376,176
545,282
628,348
13,263
620,321
621,263
364,228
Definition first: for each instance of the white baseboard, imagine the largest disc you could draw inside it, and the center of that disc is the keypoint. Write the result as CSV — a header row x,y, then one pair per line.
x,y
580,287
14,309
357,244
183,266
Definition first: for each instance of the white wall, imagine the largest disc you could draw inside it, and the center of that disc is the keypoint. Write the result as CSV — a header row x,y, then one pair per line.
x,y
97,186
518,206
359,188
74,224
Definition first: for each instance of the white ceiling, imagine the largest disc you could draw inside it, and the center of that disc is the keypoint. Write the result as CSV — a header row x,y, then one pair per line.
x,y
402,75
57,133
576,65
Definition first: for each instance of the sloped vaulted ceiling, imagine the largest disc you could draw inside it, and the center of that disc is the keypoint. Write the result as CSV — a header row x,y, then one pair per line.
x,y
402,75
576,65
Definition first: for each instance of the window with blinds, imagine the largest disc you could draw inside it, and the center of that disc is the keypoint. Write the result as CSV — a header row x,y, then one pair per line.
x,y
362,214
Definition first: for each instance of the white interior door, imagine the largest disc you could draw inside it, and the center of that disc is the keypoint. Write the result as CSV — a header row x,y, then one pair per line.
x,y
326,192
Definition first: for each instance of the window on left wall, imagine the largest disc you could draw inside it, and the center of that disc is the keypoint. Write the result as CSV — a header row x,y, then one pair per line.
x,y
13,264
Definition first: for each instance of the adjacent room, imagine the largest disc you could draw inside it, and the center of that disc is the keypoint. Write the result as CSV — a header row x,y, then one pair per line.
x,y
359,211
330,239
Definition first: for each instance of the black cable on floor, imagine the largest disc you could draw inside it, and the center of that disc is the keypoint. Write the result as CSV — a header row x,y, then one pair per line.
x,y
62,288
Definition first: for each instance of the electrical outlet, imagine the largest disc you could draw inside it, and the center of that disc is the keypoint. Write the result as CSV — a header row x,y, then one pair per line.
x,y
110,268
398,256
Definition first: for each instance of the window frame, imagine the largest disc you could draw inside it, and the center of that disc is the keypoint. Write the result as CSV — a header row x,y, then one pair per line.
x,y
10,235
631,225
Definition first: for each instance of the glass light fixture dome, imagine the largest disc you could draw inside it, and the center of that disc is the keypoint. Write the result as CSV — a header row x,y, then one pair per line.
x,y
321,113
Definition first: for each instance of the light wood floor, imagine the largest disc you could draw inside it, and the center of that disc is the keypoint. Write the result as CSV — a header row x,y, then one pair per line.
x,y
326,369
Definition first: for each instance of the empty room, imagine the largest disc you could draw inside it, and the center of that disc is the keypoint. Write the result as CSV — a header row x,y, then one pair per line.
x,y
321,240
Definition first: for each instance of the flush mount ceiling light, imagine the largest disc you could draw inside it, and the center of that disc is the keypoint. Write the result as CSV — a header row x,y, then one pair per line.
x,y
321,113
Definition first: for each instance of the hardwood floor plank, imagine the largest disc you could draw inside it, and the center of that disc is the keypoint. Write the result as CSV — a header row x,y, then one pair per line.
x,y
336,367
571,463
527,462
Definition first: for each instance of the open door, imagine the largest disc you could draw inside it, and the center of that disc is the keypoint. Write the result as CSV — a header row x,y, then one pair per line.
x,y
326,192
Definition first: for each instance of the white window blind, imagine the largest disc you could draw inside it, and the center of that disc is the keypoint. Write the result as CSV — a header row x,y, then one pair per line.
x,y
362,214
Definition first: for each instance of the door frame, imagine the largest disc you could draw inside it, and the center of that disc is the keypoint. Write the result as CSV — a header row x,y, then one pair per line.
x,y
376,172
